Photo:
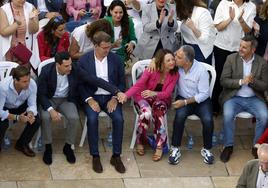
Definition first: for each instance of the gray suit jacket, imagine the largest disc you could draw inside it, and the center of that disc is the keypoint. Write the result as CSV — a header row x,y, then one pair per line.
x,y
151,34
233,72
248,178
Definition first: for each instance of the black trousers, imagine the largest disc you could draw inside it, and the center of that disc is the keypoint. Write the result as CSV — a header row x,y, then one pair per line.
x,y
220,58
28,131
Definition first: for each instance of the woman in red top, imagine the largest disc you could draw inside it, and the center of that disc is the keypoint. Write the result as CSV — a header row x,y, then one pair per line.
x,y
53,38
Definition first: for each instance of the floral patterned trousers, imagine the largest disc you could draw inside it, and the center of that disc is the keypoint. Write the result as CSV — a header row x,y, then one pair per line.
x,y
151,110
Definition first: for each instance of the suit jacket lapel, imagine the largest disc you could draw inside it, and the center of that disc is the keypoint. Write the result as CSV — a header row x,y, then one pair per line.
x,y
54,79
254,66
91,61
239,70
110,67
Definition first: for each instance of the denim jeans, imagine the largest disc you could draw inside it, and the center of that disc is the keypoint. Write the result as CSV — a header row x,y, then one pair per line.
x,y
204,111
92,125
235,105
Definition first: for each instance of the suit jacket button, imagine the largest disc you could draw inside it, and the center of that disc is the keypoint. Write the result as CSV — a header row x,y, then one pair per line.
x,y
167,36
151,37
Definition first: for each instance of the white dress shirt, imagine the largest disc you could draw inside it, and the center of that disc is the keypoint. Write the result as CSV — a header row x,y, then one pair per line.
x,y
229,38
102,72
62,87
262,181
245,90
10,98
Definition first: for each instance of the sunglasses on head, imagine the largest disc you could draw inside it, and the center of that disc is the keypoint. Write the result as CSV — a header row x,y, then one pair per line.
x,y
58,19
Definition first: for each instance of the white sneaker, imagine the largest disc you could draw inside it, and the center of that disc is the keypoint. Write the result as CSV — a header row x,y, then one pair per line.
x,y
208,156
174,155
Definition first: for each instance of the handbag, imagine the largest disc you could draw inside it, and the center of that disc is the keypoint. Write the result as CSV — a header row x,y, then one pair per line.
x,y
20,51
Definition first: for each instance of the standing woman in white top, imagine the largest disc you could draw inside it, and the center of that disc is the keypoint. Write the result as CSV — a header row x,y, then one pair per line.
x,y
232,20
197,28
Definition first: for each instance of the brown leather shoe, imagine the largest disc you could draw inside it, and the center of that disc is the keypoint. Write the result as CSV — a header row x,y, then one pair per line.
x,y
118,164
25,149
96,164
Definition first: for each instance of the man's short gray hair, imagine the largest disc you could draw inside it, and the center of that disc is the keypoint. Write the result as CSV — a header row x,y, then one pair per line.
x,y
263,148
188,52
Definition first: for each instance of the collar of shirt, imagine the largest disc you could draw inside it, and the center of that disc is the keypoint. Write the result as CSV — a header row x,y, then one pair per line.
x,y
265,174
98,61
191,68
12,87
249,61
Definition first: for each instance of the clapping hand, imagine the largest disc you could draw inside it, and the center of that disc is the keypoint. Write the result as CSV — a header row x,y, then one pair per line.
x,y
34,14
170,17
231,13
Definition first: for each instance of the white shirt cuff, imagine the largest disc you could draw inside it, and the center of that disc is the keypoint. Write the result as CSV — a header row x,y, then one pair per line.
x,y
50,108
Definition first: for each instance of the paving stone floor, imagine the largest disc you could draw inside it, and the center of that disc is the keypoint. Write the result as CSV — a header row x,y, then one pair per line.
x,y
18,171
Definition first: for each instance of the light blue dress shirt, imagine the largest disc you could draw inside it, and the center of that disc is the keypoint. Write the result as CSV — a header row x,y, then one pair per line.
x,y
10,99
194,83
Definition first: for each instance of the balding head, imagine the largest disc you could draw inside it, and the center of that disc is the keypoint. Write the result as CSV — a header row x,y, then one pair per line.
x,y
263,157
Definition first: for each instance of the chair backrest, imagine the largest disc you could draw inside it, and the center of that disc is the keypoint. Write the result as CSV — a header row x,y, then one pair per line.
x,y
44,63
212,71
5,68
138,69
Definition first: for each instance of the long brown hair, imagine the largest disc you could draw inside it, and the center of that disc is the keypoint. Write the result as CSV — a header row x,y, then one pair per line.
x,y
124,21
264,11
51,27
185,8
160,58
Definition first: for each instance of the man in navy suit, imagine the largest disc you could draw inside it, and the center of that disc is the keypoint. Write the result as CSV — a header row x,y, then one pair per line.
x,y
108,66
57,92
47,8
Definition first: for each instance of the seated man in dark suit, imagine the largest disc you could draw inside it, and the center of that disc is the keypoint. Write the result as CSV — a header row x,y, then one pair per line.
x,y
18,103
48,8
244,79
108,66
57,92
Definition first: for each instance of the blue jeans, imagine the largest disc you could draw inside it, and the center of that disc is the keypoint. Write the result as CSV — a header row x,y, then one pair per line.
x,y
235,105
93,125
204,111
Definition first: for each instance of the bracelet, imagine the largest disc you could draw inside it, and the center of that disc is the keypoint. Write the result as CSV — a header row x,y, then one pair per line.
x,y
185,102
17,117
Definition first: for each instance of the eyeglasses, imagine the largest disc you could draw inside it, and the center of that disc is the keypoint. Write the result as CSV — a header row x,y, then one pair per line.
x,y
58,19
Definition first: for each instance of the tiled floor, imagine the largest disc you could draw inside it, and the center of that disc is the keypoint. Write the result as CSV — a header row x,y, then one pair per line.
x,y
18,171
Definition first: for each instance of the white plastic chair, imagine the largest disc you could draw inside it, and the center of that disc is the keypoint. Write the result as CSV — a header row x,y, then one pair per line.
x,y
212,71
5,68
137,70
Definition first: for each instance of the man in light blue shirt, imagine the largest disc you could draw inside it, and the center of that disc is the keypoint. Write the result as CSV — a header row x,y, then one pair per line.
x,y
192,98
18,103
